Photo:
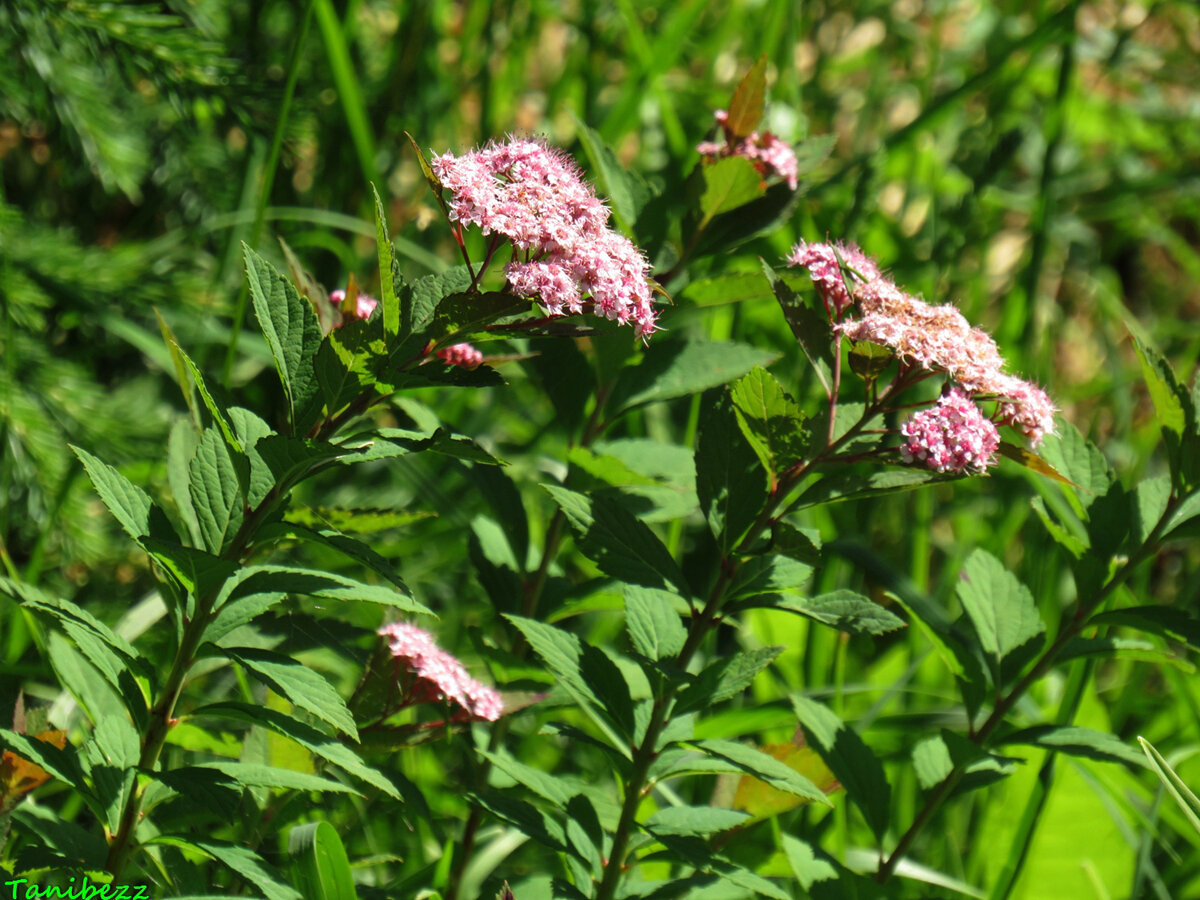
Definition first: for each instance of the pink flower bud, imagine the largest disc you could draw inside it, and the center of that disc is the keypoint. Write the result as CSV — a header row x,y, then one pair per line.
x,y
462,355
363,307
953,436
436,675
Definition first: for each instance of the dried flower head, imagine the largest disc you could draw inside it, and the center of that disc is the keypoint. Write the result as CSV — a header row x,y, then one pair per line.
x,y
436,675
363,306
771,156
536,198
863,305
462,355
953,436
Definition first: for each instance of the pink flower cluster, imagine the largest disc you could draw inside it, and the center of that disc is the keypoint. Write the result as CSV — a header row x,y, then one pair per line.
x,y
770,155
953,436
463,355
363,306
535,197
866,306
437,675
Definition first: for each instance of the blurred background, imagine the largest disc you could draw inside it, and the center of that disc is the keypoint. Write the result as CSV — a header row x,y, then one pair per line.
x,y
1036,163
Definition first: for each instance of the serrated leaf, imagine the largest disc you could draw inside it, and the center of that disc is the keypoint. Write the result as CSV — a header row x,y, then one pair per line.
x,y
620,544
849,483
320,867
725,678
851,761
1169,622
764,767
653,623
255,775
420,303
810,328
113,753
1151,497
389,270
746,107
1077,741
274,580
242,860
60,763
936,757
292,332
842,609
770,420
763,801
694,820
215,491
129,504
1169,396
322,745
1080,462
299,684
730,482
181,446
584,671
999,606
462,313
627,191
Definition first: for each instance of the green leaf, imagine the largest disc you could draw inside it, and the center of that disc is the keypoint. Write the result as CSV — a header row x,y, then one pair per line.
x,y
215,491
463,313
328,748
585,672
354,549
851,761
772,573
759,216
672,369
431,179
936,757
867,360
129,504
181,447
389,271
1080,462
1166,621
1030,461
653,623
770,420
292,332
1124,648
813,151
421,300
320,867
1077,741
999,606
725,678
767,768
1170,397
113,754
851,483
274,580
842,609
728,183
1187,801
255,775
546,786
730,482
810,327
736,287
620,544
244,861
627,191
701,820
808,868
61,764
746,107
1151,497
299,684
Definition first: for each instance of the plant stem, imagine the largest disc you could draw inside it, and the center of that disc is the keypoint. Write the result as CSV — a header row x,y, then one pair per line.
x,y
1074,625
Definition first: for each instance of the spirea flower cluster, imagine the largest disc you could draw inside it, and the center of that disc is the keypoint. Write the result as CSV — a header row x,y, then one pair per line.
x,y
570,258
953,436
770,155
436,675
864,305
363,305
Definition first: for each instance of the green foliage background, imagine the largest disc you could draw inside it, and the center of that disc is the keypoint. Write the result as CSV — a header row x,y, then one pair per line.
x,y
1037,165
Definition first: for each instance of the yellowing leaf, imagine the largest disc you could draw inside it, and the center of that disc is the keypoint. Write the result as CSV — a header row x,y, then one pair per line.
x,y
763,801
19,776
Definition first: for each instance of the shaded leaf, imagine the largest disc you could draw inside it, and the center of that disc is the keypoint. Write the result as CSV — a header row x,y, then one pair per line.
x,y
653,623
299,684
672,369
